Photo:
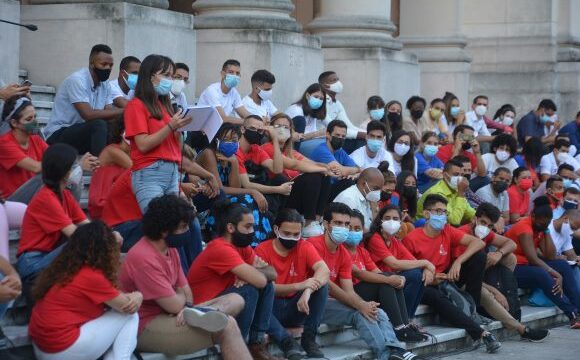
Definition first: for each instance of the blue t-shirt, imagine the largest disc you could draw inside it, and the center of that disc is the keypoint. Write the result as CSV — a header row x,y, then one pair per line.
x,y
529,125
323,154
573,132
424,182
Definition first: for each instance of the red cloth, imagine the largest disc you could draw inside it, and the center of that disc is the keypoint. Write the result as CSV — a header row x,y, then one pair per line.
x,y
291,174
468,229
101,184
294,267
138,121
155,275
519,203
57,317
121,205
362,260
445,154
339,262
211,272
256,155
44,219
12,177
523,226
379,251
437,250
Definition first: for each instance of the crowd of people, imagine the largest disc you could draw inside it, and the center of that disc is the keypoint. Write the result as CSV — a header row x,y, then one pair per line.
x,y
283,219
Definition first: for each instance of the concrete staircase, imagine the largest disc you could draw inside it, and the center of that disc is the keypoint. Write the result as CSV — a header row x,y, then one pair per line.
x,y
42,98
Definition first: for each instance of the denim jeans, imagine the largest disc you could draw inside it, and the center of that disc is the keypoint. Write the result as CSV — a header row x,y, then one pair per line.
x,y
157,179
413,290
254,320
286,314
31,263
3,306
378,335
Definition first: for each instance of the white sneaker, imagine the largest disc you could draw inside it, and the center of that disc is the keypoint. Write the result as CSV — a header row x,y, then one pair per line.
x,y
314,229
211,321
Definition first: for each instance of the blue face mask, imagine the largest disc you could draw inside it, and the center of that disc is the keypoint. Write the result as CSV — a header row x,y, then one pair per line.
x,y
339,234
431,150
567,183
314,103
131,81
569,205
544,118
164,87
377,114
455,110
437,222
354,238
231,81
228,148
374,145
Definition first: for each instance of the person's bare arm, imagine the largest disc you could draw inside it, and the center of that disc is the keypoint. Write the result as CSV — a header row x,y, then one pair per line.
x,y
120,158
250,275
243,112
503,244
481,170
401,265
120,102
172,304
89,114
264,189
548,248
228,119
30,164
127,303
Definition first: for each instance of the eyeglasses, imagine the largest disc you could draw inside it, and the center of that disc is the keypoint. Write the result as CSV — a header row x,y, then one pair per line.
x,y
438,211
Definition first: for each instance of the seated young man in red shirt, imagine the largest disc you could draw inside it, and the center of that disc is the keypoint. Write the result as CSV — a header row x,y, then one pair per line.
x,y
346,307
555,191
301,286
436,243
500,251
229,265
153,268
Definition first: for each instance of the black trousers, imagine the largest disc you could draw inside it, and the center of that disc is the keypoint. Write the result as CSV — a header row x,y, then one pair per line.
x,y
471,275
90,136
392,300
309,195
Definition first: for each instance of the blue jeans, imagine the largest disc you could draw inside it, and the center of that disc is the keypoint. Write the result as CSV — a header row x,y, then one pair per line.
x,y
157,179
254,320
413,290
31,263
530,276
131,232
4,306
378,335
286,314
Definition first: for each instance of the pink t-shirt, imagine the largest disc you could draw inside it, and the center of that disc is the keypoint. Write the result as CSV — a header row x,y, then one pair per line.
x,y
155,275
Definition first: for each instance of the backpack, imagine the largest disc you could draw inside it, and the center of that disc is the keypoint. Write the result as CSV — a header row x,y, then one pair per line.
x,y
462,300
503,279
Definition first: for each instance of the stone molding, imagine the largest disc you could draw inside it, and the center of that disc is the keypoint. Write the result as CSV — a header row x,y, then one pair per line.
x,y
161,4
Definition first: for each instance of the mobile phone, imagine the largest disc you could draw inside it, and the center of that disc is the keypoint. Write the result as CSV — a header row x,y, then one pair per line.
x,y
26,83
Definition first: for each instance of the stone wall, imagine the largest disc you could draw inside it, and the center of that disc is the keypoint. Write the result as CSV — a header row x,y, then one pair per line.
x,y
9,41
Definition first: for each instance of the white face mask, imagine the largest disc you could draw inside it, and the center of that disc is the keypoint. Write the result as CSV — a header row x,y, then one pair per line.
x,y
508,121
283,133
480,110
336,87
562,157
454,181
374,195
76,176
391,227
402,149
481,231
265,94
177,87
502,155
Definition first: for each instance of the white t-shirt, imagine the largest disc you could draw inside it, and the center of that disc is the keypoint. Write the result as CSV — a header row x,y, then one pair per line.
x,y
477,124
549,165
213,96
396,167
266,108
501,201
363,161
491,163
563,240
354,199
335,111
116,91
312,124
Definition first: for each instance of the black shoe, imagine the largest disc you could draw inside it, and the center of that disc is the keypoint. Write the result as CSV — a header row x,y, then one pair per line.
x,y
291,349
492,345
535,335
309,345
400,354
408,334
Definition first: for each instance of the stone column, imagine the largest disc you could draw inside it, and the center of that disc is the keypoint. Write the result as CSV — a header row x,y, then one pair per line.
x,y
9,41
261,35
433,31
568,56
358,44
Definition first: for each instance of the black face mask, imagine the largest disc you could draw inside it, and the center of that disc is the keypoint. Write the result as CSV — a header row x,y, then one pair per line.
x,y
177,240
409,191
568,205
499,186
289,244
467,176
385,196
336,143
394,118
417,114
538,228
466,146
253,137
242,240
102,74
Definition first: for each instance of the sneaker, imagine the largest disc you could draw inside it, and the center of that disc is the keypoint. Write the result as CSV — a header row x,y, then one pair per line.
x,y
210,321
492,345
291,349
308,342
312,230
260,352
535,335
400,354
408,334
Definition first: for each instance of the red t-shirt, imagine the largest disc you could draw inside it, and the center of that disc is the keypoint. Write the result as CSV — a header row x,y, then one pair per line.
x,y
155,275
101,182
57,317
121,205
519,203
138,120
210,274
523,226
10,154
362,260
44,219
255,155
437,250
379,251
289,173
339,262
468,229
445,154
294,267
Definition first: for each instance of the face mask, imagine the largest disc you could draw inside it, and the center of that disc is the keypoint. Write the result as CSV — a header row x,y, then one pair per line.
x,y
336,87
283,133
569,205
314,103
562,157
228,148
431,150
437,222
499,186
253,137
395,117
402,149
454,181
374,145
288,243
354,238
544,119
567,183
391,227
76,176
558,195
466,146
131,81
231,81
480,110
164,87
102,74
242,240
31,128
339,234
502,155
409,191
538,228
508,120
417,114
385,196
481,231
177,87
435,114
373,196
336,143
265,94
377,114
454,111
177,240
525,184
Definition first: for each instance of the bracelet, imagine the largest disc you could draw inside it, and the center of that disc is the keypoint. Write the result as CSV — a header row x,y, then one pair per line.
x,y
170,127
501,252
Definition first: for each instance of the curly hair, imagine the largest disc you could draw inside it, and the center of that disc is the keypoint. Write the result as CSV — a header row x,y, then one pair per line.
x,y
93,245
165,214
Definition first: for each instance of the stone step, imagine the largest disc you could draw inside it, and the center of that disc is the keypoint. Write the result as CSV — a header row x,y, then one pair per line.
x,y
42,92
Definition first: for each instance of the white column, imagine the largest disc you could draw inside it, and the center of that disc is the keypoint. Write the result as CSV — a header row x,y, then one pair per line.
x,y
9,41
568,67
